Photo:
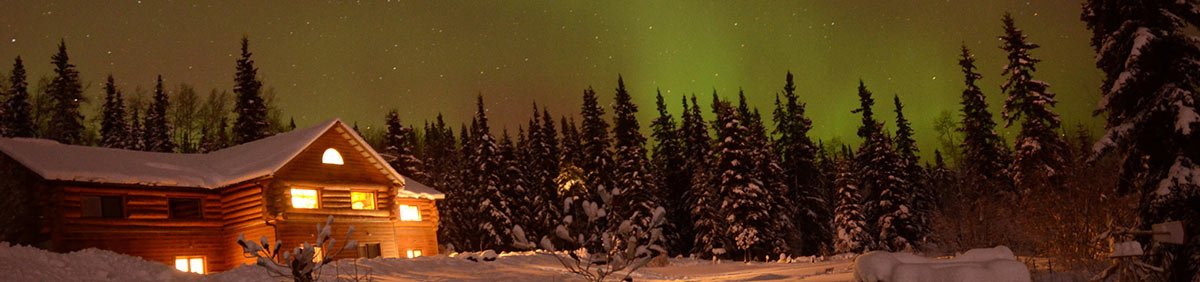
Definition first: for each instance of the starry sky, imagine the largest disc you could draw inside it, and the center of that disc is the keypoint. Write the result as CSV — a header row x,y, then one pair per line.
x,y
356,60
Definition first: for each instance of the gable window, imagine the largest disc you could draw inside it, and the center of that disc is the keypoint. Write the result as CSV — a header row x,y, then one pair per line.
x,y
362,200
184,208
332,156
103,206
414,253
409,213
193,264
369,250
305,198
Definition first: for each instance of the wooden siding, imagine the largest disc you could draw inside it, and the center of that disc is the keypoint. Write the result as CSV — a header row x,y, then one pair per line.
x,y
233,253
418,235
358,168
303,228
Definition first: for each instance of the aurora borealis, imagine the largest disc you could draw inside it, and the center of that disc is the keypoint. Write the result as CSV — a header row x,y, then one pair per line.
x,y
356,60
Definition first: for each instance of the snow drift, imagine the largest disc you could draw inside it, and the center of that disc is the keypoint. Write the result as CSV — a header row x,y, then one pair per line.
x,y
978,265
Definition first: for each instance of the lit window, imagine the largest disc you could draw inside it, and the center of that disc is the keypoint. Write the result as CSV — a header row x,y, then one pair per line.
x,y
409,213
190,264
304,198
362,200
332,157
317,254
414,253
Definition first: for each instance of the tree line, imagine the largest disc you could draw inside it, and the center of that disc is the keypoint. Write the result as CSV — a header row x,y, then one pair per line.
x,y
170,121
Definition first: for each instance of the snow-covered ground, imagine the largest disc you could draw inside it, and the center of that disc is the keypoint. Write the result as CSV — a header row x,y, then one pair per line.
x,y
21,263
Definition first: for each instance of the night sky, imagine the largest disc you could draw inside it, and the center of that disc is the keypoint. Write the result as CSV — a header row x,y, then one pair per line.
x,y
358,60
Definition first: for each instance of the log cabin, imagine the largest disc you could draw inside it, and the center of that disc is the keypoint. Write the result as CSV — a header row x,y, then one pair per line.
x,y
187,210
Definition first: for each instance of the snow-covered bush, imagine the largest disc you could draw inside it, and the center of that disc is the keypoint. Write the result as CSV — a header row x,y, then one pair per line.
x,y
624,247
298,263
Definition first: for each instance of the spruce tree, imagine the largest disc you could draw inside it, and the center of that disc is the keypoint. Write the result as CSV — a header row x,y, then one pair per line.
x,y
399,148
542,166
880,170
984,154
114,132
156,130
66,92
800,174
16,119
637,196
572,146
779,230
913,174
673,182
513,183
596,158
491,221
851,226
251,123
137,140
1150,96
739,194
701,195
1039,150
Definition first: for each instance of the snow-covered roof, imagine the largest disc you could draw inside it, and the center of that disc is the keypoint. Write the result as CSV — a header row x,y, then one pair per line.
x,y
414,189
56,161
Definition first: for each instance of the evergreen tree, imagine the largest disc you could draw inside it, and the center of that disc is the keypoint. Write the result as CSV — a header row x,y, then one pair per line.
x,y
291,124
542,166
852,236
880,170
491,219
800,174
137,141
1148,53
513,184
701,196
398,146
673,182
156,130
114,131
739,193
984,154
251,123
1039,150
913,174
779,230
636,196
66,92
572,146
16,119
596,159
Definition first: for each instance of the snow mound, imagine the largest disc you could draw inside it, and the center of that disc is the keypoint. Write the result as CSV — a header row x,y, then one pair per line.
x,y
978,265
24,263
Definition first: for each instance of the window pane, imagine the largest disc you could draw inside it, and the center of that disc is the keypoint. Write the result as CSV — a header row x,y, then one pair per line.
x,y
184,208
112,207
197,265
409,213
181,264
91,206
304,198
331,157
362,200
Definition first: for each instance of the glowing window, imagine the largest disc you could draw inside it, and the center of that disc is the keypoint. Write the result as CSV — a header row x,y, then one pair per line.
x,y
409,213
362,200
414,253
304,198
317,254
332,157
193,264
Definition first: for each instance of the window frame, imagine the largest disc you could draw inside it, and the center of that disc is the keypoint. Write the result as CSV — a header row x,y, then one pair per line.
x,y
374,196
364,250
123,213
188,261
414,253
326,158
292,201
199,208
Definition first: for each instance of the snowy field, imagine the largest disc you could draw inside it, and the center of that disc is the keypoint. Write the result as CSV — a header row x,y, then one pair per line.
x,y
20,263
